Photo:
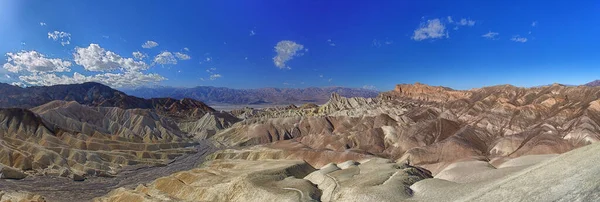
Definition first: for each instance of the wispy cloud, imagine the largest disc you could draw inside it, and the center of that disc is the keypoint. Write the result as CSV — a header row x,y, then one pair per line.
x,y
330,42
369,87
534,23
378,43
490,35
466,22
63,37
252,33
519,39
286,51
150,44
42,24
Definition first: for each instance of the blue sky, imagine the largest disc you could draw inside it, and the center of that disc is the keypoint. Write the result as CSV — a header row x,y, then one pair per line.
x,y
459,44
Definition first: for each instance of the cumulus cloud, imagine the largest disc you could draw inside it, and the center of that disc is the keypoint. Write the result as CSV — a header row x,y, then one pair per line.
x,y
139,55
96,58
432,29
116,80
286,50
32,61
490,35
63,37
149,44
42,24
165,58
182,56
215,76
519,39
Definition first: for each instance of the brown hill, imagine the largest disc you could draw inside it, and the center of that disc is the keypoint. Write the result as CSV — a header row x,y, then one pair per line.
x,y
433,126
70,139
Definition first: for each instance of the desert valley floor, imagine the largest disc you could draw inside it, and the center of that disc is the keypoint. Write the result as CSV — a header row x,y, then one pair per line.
x,y
88,142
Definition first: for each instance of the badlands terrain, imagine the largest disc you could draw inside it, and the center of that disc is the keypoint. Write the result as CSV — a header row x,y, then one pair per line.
x,y
88,142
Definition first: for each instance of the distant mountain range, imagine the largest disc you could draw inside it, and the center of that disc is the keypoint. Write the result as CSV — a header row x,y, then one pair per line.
x,y
593,83
98,95
220,95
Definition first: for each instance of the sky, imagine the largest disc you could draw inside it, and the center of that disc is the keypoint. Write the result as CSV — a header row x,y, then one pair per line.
x,y
299,43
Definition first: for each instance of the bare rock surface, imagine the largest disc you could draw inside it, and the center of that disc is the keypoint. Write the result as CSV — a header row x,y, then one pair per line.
x,y
54,188
20,196
571,176
69,139
280,180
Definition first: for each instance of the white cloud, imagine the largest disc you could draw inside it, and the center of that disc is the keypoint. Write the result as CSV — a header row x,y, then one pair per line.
x,y
182,56
286,50
518,38
105,36
369,87
19,84
186,49
490,35
252,33
534,23
330,43
165,58
211,70
116,80
245,58
96,58
450,19
320,75
208,59
7,76
32,61
64,37
466,22
139,55
42,24
215,76
432,29
149,44
286,84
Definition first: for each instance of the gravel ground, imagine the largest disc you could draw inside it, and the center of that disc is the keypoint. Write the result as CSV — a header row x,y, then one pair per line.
x,y
65,189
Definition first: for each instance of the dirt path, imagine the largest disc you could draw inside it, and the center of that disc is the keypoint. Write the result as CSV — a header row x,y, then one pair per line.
x,y
64,189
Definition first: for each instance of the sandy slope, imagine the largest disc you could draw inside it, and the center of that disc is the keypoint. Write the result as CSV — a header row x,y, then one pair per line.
x,y
572,176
